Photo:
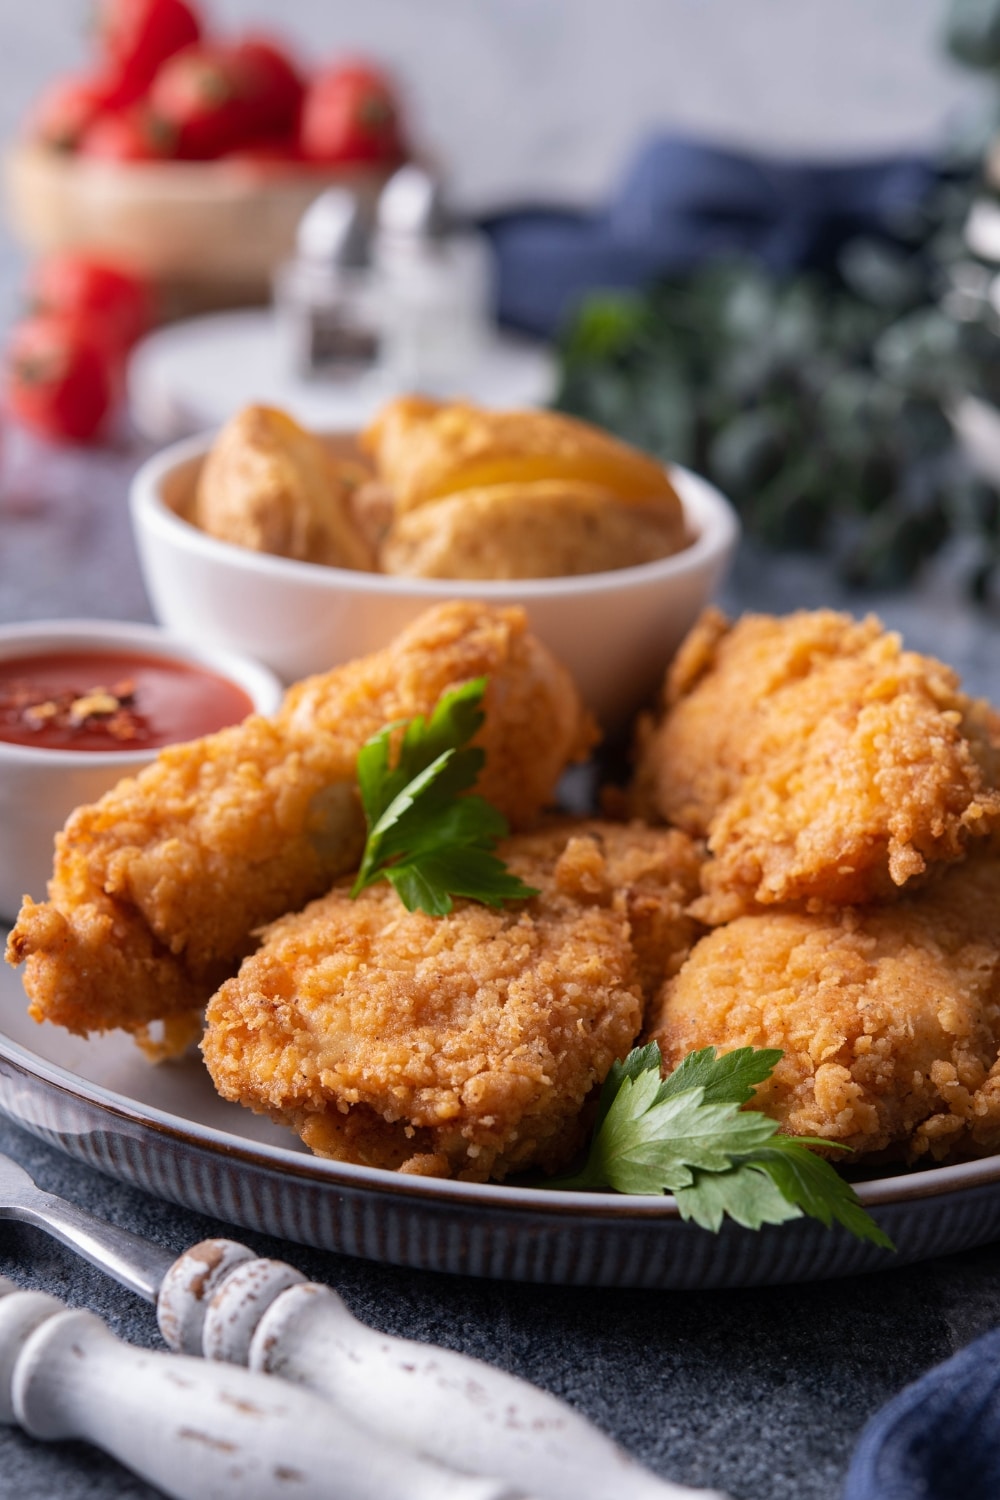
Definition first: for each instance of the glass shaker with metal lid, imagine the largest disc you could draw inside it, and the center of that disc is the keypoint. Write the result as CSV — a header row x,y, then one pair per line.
x,y
435,286
324,296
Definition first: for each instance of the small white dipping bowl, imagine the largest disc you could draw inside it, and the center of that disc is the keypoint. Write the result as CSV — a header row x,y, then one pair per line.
x,y
39,788
615,631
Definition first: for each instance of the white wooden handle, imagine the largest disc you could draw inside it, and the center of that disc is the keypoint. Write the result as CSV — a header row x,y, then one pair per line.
x,y
201,1430
456,1409
188,1288
447,1405
19,1317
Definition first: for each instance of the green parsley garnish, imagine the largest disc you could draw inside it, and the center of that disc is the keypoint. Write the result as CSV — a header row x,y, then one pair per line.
x,y
425,836
687,1135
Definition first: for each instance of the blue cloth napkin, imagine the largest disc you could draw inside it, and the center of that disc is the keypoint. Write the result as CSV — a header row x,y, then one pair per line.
x,y
939,1439
682,202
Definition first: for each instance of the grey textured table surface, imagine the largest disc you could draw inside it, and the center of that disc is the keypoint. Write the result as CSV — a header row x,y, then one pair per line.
x,y
760,1393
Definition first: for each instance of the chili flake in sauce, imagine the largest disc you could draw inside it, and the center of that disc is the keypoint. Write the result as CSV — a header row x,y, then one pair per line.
x,y
96,700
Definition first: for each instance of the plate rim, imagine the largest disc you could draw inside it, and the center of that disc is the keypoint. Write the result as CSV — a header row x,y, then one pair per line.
x,y
322,1172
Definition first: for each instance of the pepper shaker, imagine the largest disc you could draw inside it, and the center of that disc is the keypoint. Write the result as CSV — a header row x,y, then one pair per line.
x,y
434,287
324,297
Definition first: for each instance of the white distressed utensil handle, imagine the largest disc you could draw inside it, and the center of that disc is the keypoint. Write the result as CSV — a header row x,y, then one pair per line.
x,y
201,1430
456,1409
221,1300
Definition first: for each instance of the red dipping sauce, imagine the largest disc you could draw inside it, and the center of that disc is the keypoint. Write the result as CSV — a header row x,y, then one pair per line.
x,y
112,700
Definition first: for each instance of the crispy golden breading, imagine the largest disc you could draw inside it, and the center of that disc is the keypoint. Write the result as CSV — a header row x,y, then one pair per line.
x,y
159,886
424,450
824,763
543,529
888,1017
269,485
650,874
462,1045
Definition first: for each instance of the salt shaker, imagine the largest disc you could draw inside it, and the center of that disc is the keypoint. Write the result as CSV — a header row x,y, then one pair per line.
x,y
324,297
434,284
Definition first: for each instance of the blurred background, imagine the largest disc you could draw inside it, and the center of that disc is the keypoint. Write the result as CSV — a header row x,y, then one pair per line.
x,y
757,239
545,100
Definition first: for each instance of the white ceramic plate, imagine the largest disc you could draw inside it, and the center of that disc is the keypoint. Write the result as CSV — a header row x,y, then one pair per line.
x,y
165,1130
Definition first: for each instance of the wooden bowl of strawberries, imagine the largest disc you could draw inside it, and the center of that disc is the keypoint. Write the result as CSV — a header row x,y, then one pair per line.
x,y
191,158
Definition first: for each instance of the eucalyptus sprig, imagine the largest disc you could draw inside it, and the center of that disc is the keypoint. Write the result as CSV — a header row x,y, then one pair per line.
x,y
821,403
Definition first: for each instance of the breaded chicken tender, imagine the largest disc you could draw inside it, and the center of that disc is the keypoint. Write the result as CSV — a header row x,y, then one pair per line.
x,y
888,1017
159,887
424,450
823,763
544,529
651,875
463,1045
269,485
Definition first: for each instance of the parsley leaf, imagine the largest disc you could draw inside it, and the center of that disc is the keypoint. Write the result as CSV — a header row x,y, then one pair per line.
x,y
744,1193
816,1187
650,1144
428,838
687,1134
729,1079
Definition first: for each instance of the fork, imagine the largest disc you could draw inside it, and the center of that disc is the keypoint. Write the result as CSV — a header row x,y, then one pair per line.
x,y
128,1259
221,1300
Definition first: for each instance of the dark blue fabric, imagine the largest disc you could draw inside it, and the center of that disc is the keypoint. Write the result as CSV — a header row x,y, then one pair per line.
x,y
682,202
940,1438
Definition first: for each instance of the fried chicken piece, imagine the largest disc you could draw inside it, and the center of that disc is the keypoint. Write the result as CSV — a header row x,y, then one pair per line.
x,y
425,449
160,885
888,1017
462,1045
269,485
544,529
823,762
651,874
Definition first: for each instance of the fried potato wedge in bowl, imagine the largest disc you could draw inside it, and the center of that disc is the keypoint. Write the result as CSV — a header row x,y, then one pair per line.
x,y
273,487
615,628
548,528
426,449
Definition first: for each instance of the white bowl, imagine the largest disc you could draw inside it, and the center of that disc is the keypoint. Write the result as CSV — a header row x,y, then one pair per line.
x,y
615,631
39,788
